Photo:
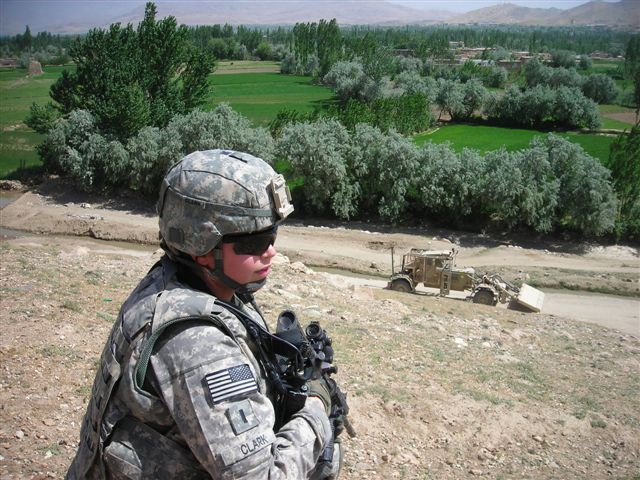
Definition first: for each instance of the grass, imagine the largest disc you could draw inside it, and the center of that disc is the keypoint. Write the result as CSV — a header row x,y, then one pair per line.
x,y
612,123
487,138
17,92
260,96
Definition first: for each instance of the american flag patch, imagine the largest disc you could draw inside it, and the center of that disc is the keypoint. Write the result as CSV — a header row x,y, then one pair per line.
x,y
231,382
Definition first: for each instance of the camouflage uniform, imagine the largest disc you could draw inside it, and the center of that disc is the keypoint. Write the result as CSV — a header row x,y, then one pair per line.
x,y
180,393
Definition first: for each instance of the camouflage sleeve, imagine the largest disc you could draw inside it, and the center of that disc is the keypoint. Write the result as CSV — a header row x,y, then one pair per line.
x,y
216,395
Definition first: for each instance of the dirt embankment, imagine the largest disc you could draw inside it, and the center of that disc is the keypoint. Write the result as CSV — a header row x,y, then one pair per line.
x,y
438,388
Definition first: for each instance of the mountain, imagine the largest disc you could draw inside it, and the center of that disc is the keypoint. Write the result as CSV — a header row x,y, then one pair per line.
x,y
508,14
288,12
625,14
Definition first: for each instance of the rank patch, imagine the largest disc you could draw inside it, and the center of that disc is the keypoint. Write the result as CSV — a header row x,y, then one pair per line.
x,y
241,416
230,382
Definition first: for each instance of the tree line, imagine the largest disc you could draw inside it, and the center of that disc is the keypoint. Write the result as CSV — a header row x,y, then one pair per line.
x,y
365,173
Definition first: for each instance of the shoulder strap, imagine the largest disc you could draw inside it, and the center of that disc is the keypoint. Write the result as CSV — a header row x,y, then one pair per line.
x,y
200,308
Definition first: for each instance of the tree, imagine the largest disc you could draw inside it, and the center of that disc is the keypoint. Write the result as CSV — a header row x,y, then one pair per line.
x,y
318,154
632,69
632,56
264,51
600,88
535,73
563,58
131,78
586,200
624,163
473,94
25,41
384,165
349,80
450,97
584,62
328,44
218,48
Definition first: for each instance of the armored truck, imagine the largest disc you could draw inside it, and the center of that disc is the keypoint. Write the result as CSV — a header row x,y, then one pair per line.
x,y
436,269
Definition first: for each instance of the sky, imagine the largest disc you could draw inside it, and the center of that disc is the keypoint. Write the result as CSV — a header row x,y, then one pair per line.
x,y
15,14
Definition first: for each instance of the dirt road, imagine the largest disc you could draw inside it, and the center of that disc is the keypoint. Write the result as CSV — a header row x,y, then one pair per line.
x,y
367,250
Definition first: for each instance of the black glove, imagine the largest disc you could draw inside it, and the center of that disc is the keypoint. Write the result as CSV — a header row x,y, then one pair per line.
x,y
321,389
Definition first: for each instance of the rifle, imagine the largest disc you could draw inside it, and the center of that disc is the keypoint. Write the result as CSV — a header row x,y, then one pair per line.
x,y
317,351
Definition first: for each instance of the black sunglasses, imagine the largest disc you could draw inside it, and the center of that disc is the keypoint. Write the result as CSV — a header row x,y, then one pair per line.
x,y
252,243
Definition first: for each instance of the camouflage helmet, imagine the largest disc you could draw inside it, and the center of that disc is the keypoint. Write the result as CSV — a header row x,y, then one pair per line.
x,y
213,193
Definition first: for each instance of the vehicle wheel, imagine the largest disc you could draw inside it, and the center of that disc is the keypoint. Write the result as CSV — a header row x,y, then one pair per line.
x,y
485,297
401,285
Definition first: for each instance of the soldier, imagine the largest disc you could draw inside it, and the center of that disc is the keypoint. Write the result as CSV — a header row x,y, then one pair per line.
x,y
183,390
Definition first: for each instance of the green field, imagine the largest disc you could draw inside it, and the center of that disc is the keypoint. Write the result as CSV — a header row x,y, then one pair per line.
x,y
17,92
259,96
613,123
486,138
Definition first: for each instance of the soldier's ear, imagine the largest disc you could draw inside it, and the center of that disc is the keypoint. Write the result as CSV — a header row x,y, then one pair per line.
x,y
205,260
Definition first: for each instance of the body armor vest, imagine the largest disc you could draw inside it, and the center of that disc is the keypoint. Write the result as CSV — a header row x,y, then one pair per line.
x,y
119,387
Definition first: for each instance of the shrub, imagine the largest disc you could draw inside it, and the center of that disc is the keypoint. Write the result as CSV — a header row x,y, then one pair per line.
x,y
446,182
600,88
42,118
154,150
349,80
563,58
625,170
383,164
494,77
542,106
75,148
586,200
411,82
318,156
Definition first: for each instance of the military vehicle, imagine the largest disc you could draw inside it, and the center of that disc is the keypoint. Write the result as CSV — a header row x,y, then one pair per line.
x,y
436,269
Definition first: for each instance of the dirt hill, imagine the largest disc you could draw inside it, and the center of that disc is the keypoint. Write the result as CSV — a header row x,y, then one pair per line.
x,y
439,388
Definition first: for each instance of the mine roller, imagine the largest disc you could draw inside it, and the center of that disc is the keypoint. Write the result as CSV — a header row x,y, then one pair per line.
x,y
436,269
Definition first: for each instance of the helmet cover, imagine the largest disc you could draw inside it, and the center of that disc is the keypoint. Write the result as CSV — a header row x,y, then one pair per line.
x,y
209,194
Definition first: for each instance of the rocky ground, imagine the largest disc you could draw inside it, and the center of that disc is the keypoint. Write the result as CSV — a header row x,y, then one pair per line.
x,y
439,388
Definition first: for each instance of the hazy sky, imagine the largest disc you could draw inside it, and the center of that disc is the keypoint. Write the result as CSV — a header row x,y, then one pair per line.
x,y
38,14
